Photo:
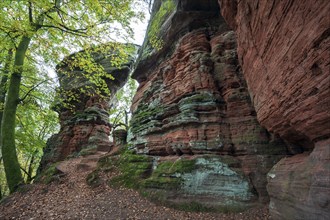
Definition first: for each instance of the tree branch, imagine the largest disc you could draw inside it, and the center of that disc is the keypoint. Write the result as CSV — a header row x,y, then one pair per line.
x,y
25,171
120,124
30,13
82,34
34,87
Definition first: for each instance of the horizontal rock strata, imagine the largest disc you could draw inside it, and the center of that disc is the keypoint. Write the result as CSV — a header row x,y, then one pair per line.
x,y
83,105
193,105
283,48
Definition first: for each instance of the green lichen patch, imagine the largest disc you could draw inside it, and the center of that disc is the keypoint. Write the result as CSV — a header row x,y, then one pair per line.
x,y
218,177
181,183
198,98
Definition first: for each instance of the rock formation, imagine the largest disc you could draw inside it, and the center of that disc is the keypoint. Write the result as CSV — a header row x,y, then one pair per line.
x,y
283,48
83,109
192,112
222,101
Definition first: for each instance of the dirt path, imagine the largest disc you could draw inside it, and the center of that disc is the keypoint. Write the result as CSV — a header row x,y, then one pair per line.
x,y
72,198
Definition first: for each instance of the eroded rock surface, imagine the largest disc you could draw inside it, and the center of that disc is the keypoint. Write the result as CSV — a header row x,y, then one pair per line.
x,y
283,48
83,112
193,107
299,185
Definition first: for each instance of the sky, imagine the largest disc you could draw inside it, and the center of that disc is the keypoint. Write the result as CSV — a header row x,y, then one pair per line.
x,y
140,29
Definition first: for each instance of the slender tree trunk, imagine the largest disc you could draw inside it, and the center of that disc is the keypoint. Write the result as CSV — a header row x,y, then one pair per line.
x,y
3,82
30,169
10,161
3,91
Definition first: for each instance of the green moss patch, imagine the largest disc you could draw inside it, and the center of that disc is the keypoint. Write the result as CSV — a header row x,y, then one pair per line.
x,y
133,168
89,150
145,114
49,175
93,179
167,175
181,183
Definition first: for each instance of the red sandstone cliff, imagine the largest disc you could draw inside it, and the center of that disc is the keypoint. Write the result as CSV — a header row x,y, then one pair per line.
x,y
193,102
283,48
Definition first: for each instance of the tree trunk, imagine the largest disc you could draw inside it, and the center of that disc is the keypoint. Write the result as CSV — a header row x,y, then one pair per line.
x,y
3,82
10,161
30,169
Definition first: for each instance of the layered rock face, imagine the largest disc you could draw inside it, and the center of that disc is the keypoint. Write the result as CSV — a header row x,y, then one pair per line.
x,y
283,48
192,109
83,109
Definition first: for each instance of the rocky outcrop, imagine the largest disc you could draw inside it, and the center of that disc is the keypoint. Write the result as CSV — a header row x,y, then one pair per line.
x,y
83,104
192,113
283,48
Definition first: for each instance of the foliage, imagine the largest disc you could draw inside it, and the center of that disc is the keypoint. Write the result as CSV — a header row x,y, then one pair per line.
x,y
35,122
119,111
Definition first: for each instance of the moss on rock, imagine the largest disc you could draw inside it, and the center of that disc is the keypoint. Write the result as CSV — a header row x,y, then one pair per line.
x,y
133,168
49,174
167,175
182,182
158,19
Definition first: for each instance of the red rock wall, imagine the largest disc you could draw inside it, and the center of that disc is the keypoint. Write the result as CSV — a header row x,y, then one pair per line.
x,y
283,48
194,101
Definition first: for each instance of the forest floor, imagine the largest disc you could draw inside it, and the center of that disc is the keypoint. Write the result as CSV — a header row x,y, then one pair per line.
x,y
72,198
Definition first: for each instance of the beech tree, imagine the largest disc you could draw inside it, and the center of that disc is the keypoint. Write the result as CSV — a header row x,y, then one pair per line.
x,y
35,121
48,29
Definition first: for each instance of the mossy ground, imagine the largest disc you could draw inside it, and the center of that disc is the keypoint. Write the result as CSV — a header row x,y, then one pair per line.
x,y
93,179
